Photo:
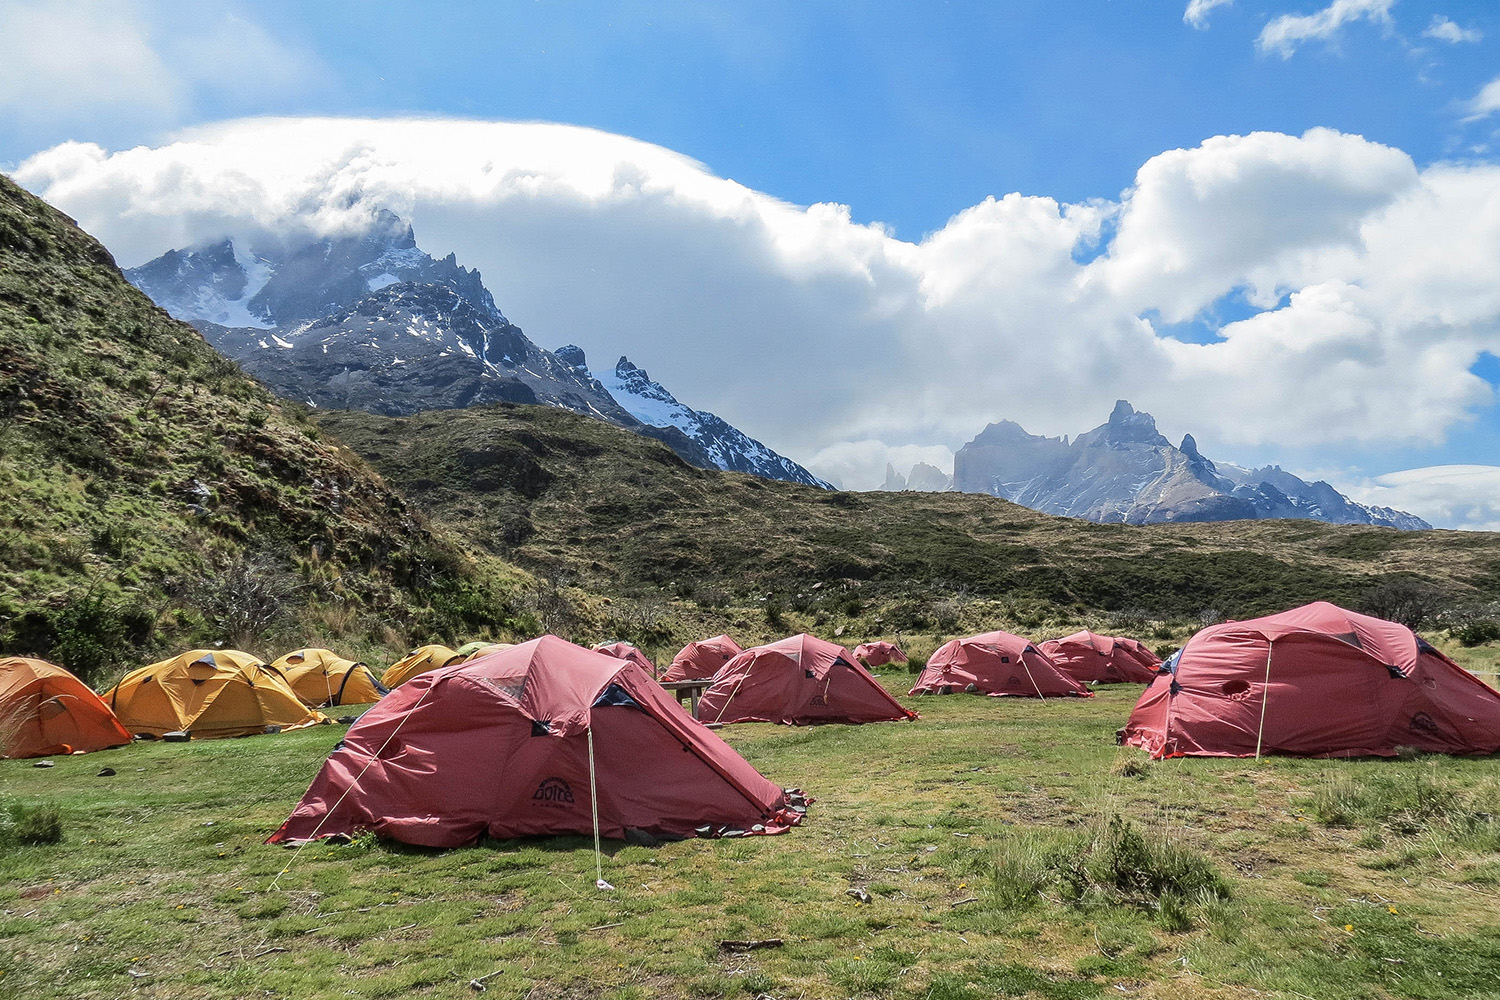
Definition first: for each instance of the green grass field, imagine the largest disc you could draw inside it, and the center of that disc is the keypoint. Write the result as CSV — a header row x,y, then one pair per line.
x,y
979,834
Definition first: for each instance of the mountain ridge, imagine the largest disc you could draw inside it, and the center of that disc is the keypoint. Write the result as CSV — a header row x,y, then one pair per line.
x,y
1126,471
369,321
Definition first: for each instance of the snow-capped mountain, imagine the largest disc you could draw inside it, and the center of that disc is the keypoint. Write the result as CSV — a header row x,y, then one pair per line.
x,y
369,321
727,447
1125,471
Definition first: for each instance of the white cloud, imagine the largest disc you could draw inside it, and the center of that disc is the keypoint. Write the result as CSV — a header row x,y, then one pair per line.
x,y
1484,103
1374,285
1444,30
1285,33
1198,10
82,61
1450,496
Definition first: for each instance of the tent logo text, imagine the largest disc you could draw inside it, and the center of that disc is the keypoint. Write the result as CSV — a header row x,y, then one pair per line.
x,y
553,790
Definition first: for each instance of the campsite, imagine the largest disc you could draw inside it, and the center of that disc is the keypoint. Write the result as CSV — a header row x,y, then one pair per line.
x,y
714,501
921,870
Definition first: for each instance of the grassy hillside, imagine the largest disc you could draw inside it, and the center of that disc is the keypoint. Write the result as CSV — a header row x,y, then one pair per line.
x,y
564,495
153,495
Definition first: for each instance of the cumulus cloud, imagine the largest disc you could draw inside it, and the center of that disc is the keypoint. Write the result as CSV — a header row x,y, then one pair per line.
x,y
1455,496
1372,287
1284,34
1198,10
86,60
1444,30
1484,103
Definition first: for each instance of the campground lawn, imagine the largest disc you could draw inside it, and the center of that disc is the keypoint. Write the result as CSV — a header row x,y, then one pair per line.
x,y
1339,879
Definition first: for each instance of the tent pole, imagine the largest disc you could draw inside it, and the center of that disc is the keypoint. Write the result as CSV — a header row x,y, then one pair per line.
x,y
599,882
1265,697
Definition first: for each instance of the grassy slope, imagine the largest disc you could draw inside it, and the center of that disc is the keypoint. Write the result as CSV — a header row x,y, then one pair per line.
x,y
162,872
134,460
560,493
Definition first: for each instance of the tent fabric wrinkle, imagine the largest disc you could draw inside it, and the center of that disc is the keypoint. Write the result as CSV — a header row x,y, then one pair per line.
x,y
499,747
997,664
1293,683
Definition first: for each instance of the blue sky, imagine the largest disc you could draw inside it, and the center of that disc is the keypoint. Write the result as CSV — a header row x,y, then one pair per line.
x,y
911,116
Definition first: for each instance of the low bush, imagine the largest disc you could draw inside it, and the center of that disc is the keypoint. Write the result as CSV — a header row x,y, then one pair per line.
x,y
21,824
1476,633
1111,863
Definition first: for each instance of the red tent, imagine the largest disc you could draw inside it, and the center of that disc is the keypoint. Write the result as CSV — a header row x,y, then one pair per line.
x,y
878,654
45,710
508,745
625,651
1315,681
1105,659
701,660
997,664
796,681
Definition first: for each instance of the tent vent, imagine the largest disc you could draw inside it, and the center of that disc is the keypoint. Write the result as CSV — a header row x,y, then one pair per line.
x,y
809,673
1004,659
541,728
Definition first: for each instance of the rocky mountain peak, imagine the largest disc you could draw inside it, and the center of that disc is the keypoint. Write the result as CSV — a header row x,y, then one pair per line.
x,y
571,354
1125,471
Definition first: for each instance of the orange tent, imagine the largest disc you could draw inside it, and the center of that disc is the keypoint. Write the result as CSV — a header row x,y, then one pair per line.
x,y
418,661
321,677
474,650
46,710
210,693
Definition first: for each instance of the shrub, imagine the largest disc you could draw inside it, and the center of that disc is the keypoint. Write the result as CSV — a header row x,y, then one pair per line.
x,y
22,824
1476,633
1403,600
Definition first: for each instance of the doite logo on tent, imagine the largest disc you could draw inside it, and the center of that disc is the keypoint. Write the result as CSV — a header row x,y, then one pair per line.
x,y
553,791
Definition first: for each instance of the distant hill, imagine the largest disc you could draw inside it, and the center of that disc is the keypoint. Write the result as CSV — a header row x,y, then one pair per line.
x,y
152,493
579,499
1125,472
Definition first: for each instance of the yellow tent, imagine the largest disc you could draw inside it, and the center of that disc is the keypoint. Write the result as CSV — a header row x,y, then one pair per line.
x,y
210,693
418,661
321,678
473,650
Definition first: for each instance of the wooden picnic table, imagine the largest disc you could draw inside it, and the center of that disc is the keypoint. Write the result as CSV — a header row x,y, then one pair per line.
x,y
692,689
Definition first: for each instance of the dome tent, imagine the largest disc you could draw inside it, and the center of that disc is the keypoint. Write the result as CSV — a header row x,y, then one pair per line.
x,y
418,661
625,651
878,654
1103,659
1315,681
997,664
702,659
509,745
322,678
795,681
474,650
45,710
210,693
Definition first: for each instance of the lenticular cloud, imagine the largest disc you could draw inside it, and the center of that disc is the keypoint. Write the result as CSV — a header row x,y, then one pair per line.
x,y
1363,288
